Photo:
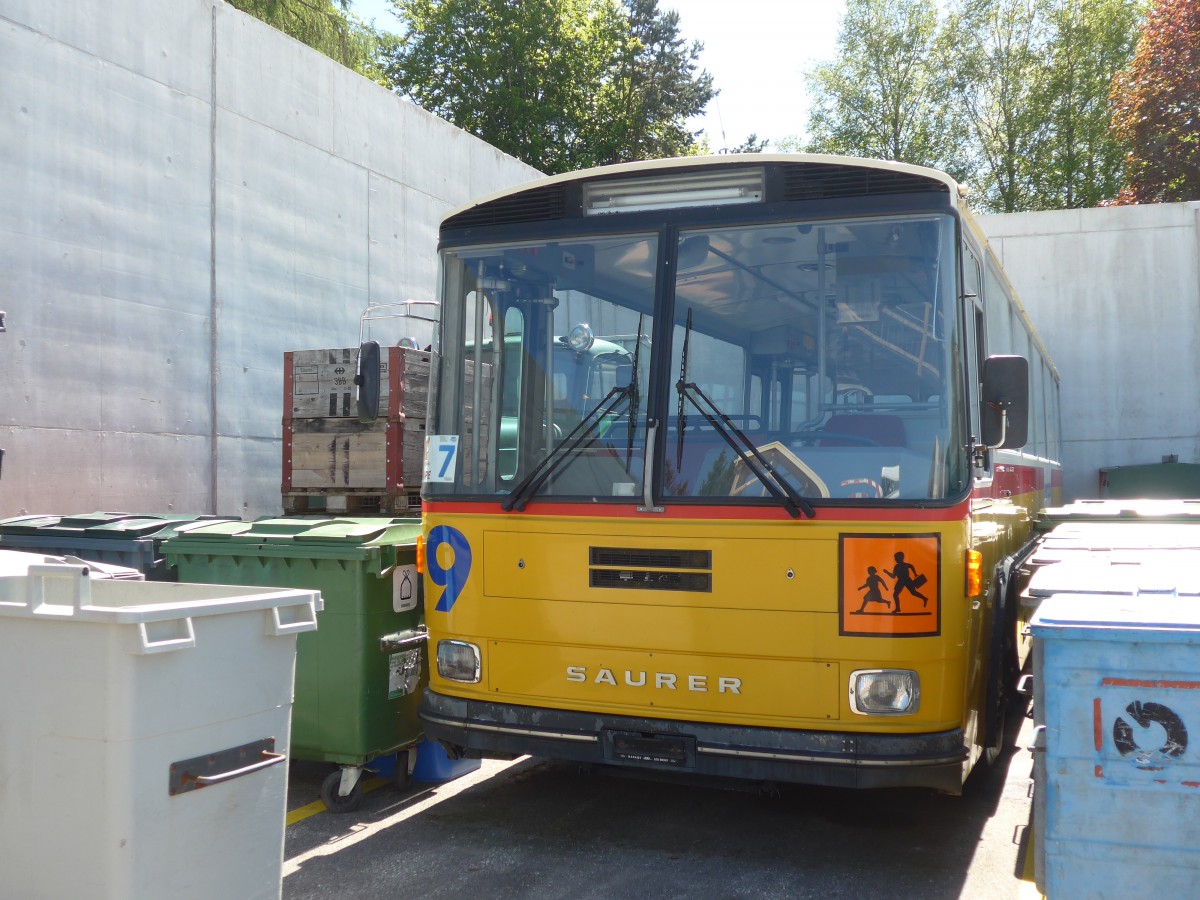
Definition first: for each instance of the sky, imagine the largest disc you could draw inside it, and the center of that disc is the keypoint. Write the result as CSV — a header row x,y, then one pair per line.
x,y
756,51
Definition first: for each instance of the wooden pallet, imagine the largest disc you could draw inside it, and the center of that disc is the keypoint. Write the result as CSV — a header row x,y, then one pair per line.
x,y
406,503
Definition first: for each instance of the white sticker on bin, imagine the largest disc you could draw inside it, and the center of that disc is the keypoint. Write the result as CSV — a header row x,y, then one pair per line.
x,y
404,588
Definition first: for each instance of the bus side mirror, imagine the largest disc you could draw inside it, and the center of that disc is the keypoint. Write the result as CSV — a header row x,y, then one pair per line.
x,y
1005,413
367,380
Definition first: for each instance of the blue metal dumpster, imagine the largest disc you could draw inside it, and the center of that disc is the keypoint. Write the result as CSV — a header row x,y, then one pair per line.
x,y
116,538
1117,767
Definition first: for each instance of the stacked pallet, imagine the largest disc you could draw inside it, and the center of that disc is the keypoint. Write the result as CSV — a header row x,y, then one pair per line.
x,y
332,462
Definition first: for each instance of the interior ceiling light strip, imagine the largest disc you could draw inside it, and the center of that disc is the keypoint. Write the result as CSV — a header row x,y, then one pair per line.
x,y
718,188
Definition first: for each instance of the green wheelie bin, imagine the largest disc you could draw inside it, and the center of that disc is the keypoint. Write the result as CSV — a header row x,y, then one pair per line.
x,y
360,674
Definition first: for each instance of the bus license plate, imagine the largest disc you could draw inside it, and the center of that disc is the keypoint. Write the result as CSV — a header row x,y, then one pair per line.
x,y
657,749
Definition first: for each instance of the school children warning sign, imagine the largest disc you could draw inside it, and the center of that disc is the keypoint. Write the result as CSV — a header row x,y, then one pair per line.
x,y
889,584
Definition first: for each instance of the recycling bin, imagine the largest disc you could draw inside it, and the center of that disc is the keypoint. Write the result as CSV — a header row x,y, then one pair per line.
x,y
1117,747
116,538
144,733
1165,479
359,676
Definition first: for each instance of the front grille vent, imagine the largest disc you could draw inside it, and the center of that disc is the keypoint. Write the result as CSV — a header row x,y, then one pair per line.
x,y
651,559
651,570
819,181
538,205
649,580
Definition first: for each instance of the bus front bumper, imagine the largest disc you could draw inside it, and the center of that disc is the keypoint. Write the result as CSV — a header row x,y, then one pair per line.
x,y
475,728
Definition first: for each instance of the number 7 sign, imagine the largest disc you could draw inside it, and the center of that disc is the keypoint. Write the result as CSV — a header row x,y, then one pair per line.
x,y
441,452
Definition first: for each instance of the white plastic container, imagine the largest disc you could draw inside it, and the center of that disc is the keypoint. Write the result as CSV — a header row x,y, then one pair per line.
x,y
144,730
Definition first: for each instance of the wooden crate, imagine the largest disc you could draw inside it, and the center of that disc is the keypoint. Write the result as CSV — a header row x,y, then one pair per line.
x,y
319,384
330,459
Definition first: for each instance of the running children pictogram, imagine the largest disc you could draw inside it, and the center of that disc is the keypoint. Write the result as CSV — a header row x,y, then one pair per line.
x,y
889,584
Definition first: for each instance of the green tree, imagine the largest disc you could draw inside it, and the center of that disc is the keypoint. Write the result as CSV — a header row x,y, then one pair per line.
x,y
327,26
1080,161
642,109
1010,96
752,144
1157,107
1032,78
999,76
885,96
559,84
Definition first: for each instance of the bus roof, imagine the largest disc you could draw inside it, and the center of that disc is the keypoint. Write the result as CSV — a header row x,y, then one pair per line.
x,y
643,167
905,173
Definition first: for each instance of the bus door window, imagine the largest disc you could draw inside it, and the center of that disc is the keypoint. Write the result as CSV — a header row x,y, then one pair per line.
x,y
507,446
977,335
469,386
559,382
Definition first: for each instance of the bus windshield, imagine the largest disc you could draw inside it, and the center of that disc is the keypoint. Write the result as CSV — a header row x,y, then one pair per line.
x,y
817,353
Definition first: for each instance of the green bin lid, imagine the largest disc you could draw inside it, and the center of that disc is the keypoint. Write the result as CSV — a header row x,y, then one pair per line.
x,y
100,525
297,536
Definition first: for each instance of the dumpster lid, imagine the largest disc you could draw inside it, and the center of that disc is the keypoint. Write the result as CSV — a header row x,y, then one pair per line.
x,y
1127,511
16,562
18,523
1073,540
343,531
1109,617
102,525
1134,572
372,532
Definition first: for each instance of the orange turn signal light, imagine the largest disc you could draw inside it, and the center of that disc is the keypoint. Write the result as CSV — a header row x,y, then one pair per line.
x,y
974,573
420,554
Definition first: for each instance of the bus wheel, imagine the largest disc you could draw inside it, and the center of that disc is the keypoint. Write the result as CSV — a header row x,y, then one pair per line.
x,y
995,750
999,703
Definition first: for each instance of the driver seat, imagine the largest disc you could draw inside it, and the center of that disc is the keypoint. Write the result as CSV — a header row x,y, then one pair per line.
x,y
886,431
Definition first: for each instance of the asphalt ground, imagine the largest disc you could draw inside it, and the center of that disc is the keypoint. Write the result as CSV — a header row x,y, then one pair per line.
x,y
536,828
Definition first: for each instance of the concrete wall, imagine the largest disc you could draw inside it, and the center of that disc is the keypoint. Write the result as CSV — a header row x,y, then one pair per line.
x,y
187,194
1115,295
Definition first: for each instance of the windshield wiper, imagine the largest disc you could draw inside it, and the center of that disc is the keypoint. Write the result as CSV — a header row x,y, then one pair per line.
x,y
584,431
779,488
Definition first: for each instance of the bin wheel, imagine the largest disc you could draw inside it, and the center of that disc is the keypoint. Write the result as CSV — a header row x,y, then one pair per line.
x,y
402,780
333,801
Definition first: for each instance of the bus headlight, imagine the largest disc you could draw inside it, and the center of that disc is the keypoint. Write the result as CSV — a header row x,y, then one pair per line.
x,y
459,661
884,692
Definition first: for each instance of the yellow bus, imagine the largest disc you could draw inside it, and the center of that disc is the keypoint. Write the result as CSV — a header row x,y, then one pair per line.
x,y
730,469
